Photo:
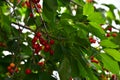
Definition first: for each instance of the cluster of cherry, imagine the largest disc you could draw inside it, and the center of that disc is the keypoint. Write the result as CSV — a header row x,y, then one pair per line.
x,y
12,68
39,43
34,5
92,40
113,34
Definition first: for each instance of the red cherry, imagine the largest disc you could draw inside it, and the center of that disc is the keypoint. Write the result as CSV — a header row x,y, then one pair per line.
x,y
39,6
95,61
42,41
38,10
113,77
16,70
40,47
52,41
51,52
41,63
28,71
108,35
28,4
114,34
46,50
92,57
38,34
47,46
90,38
70,78
35,46
36,1
92,41
31,15
110,28
34,40
11,71
9,68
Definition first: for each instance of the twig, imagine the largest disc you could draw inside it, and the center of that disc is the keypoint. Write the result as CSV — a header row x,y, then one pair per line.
x,y
41,18
26,27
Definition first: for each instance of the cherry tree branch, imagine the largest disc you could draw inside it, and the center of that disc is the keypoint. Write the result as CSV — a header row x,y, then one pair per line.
x,y
23,26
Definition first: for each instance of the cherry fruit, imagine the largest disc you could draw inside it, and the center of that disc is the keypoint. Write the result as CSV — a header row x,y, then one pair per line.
x,y
114,34
28,71
51,52
52,41
108,35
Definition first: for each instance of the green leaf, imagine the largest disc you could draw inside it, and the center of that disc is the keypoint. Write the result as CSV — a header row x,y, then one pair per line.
x,y
109,44
64,70
84,70
65,2
88,9
113,53
110,14
80,2
26,50
96,17
96,30
45,76
108,63
111,6
5,23
49,9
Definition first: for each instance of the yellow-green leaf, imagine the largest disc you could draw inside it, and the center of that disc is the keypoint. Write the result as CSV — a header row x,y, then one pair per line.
x,y
108,44
113,53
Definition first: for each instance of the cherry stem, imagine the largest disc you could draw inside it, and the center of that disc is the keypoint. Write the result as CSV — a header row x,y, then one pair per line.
x,y
41,18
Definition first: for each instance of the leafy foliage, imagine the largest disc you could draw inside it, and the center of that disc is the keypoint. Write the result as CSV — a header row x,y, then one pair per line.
x,y
46,36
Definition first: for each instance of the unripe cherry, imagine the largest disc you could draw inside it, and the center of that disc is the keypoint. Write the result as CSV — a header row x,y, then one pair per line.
x,y
12,65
